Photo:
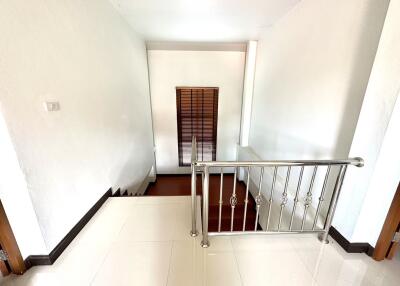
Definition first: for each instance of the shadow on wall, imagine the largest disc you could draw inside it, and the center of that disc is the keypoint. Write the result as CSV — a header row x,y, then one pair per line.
x,y
363,59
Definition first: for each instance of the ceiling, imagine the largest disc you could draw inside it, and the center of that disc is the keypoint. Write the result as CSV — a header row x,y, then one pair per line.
x,y
202,20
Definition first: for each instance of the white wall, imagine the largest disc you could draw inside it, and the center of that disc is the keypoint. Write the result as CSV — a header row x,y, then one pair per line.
x,y
312,71
15,198
311,74
82,54
172,68
368,192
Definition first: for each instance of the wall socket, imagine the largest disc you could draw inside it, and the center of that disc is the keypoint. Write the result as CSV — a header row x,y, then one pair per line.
x,y
52,106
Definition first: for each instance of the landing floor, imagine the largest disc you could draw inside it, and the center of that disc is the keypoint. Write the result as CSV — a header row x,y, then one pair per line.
x,y
144,241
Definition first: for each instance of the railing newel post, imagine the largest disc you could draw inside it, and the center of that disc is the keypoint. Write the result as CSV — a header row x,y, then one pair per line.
x,y
194,231
205,243
332,206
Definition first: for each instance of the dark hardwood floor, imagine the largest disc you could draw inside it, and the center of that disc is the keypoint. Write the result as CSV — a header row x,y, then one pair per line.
x,y
179,185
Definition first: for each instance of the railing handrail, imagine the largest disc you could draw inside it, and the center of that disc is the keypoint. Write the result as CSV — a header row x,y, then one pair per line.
x,y
358,162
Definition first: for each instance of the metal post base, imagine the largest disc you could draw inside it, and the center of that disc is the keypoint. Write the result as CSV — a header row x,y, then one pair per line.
x,y
323,238
194,234
205,244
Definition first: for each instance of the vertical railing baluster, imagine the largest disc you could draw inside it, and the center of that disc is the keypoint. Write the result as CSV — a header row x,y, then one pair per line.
x,y
308,199
233,199
332,205
271,199
221,187
284,197
246,200
205,243
321,197
258,198
304,217
296,197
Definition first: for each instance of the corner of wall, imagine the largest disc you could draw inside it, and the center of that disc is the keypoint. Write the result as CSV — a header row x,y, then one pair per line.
x,y
16,199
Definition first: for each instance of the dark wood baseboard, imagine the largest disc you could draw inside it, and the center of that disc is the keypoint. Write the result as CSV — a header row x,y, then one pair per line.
x,y
351,247
34,260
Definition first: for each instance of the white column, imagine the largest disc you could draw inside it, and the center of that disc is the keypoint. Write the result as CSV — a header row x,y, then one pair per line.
x,y
367,192
248,85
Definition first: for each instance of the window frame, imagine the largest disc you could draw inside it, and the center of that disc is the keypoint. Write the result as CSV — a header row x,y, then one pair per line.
x,y
213,94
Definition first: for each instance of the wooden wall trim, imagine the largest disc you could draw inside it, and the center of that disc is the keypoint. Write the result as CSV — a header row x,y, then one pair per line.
x,y
389,228
9,244
3,268
34,260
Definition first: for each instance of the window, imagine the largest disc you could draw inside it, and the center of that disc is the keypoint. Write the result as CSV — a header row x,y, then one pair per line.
x,y
197,112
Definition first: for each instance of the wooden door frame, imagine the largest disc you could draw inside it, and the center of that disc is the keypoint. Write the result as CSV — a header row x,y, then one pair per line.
x,y
3,268
389,228
9,244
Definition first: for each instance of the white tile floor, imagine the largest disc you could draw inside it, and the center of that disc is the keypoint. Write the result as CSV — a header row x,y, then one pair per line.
x,y
144,241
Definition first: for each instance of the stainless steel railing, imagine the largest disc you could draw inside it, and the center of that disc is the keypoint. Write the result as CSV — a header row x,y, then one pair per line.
x,y
194,231
248,166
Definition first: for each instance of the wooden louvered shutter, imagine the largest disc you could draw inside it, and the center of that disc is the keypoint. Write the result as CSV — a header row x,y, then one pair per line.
x,y
197,114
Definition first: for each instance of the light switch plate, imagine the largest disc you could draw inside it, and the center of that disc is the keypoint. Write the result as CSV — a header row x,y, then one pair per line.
x,y
52,105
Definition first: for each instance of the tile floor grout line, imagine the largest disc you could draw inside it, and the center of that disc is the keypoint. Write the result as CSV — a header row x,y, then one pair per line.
x,y
170,259
101,264
296,251
111,243
237,263
122,227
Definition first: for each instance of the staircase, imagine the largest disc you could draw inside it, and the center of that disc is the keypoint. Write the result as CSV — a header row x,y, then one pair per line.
x,y
120,193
